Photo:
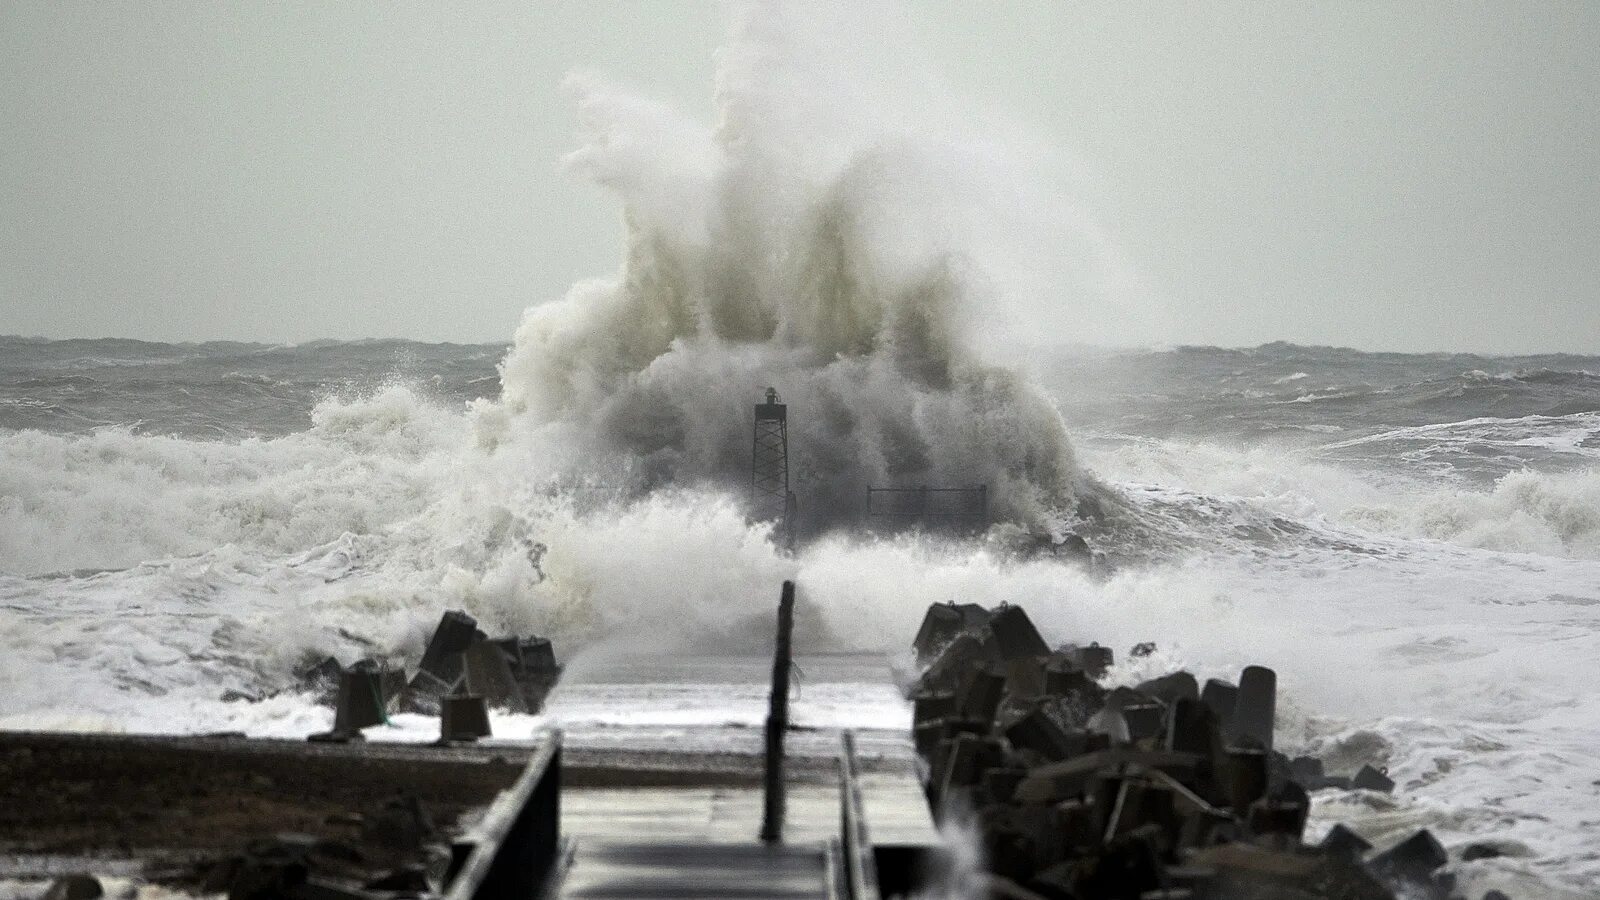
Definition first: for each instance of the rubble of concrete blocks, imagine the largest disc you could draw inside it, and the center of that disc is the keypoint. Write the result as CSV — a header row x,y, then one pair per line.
x,y
1169,790
304,866
512,673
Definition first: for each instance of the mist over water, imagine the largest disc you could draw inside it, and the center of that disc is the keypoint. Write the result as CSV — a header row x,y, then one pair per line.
x,y
1413,541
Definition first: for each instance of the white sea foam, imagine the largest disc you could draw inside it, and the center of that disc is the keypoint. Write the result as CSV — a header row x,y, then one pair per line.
x,y
1443,654
1527,511
1448,450
111,499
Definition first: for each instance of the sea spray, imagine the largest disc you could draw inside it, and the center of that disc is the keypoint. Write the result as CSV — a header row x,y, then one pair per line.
x,y
819,254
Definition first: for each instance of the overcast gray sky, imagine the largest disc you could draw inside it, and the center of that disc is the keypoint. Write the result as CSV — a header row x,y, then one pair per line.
x,y
1385,176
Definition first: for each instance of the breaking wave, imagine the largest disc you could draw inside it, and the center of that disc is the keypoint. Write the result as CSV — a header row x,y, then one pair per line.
x,y
1271,491
112,498
1526,512
800,245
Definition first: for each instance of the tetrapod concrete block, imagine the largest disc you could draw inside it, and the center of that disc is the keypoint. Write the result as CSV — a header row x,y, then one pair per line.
x,y
488,675
1014,634
982,693
1179,685
949,670
1221,696
1246,777
1412,861
1341,841
928,706
1191,727
942,623
1370,779
360,705
464,717
1144,720
455,633
1255,709
1094,659
1025,677
1039,732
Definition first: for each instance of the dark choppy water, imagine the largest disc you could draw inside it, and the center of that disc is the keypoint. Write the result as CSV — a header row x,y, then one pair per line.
x,y
1377,409
221,389
1381,409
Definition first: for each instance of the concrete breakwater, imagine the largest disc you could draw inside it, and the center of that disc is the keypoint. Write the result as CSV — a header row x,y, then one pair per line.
x,y
1166,790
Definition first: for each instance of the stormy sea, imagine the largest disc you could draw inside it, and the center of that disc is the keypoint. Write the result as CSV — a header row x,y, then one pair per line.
x,y
1411,541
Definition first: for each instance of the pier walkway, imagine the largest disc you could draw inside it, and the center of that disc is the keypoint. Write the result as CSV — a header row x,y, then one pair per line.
x,y
694,870
684,825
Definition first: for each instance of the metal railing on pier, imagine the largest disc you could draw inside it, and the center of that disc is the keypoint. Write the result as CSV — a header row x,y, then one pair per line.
x,y
516,850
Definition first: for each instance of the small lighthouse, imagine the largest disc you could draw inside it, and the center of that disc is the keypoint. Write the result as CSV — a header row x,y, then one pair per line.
x,y
770,497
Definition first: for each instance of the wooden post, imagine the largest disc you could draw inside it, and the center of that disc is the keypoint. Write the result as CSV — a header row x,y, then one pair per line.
x,y
778,719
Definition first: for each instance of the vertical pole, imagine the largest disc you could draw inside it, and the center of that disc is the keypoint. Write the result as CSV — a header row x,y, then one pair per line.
x,y
791,512
778,719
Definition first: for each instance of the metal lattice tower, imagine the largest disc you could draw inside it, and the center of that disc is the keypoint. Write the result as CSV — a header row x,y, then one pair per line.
x,y
770,500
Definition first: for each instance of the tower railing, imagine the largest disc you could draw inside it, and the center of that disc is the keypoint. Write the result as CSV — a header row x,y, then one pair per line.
x,y
942,508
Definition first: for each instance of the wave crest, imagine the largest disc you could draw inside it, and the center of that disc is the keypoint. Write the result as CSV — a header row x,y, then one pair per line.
x,y
1556,514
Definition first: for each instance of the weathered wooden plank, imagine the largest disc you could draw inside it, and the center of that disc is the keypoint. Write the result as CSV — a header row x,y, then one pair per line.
x,y
699,870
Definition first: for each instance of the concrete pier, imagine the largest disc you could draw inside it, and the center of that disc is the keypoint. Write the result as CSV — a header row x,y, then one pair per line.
x,y
645,821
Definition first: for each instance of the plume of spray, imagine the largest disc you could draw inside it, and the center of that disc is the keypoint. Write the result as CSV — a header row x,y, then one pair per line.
x,y
809,241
